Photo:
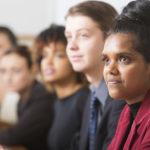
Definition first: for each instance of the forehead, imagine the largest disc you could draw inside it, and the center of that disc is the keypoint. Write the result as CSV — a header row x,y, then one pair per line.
x,y
120,41
55,46
12,60
4,37
78,22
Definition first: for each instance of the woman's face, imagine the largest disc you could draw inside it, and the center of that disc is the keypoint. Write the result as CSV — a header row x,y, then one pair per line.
x,y
14,73
85,43
125,71
55,65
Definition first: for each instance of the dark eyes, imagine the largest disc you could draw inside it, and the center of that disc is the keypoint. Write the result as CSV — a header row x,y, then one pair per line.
x,y
83,35
57,55
124,59
80,35
105,60
15,70
60,55
121,59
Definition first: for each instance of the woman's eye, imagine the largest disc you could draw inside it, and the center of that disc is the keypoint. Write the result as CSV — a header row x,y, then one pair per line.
x,y
124,59
105,60
60,55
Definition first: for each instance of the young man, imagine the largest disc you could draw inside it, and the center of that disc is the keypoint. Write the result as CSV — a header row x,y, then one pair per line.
x,y
87,25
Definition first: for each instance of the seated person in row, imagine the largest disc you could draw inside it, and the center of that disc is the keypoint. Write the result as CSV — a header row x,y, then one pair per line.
x,y
126,56
71,87
34,108
7,40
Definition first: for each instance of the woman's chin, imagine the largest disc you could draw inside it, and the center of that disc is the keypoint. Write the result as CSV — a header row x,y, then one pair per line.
x,y
117,95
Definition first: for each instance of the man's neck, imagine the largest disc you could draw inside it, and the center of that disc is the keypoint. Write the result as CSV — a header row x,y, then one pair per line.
x,y
95,80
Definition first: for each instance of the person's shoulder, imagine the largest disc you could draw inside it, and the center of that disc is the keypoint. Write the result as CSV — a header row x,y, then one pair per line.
x,y
40,92
84,90
83,93
114,106
38,87
80,97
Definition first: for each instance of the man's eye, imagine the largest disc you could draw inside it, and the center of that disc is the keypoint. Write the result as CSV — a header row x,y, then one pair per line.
x,y
83,35
68,37
16,70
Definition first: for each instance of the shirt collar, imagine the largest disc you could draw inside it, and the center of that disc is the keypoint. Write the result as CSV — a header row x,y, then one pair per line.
x,y
101,92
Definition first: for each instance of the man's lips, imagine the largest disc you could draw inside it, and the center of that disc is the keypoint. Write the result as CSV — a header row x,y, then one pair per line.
x,y
10,85
76,58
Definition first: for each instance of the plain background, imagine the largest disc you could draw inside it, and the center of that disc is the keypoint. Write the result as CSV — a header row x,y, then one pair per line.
x,y
29,17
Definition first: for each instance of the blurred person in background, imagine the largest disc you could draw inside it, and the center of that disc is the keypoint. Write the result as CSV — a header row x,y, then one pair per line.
x,y
34,108
7,39
71,87
8,114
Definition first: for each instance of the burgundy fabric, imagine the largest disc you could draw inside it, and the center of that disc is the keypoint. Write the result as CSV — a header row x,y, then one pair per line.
x,y
139,136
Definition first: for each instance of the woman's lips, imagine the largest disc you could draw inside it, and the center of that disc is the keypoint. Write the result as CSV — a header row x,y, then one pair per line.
x,y
113,82
49,71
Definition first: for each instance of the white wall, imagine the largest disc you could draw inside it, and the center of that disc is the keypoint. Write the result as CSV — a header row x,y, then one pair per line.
x,y
29,17
64,5
25,16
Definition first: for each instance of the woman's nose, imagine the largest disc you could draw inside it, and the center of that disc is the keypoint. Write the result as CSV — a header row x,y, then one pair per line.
x,y
50,59
112,68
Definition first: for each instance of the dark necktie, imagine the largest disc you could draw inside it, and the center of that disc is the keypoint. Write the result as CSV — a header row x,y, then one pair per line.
x,y
93,120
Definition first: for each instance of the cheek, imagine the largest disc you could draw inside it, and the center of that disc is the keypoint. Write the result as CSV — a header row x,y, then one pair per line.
x,y
22,80
132,75
105,72
67,49
1,53
43,65
136,80
98,44
68,53
95,51
64,66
